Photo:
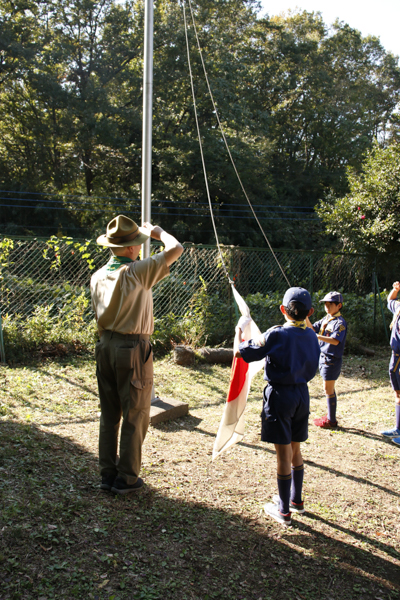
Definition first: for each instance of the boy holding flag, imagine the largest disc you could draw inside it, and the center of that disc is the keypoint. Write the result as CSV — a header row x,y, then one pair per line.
x,y
291,355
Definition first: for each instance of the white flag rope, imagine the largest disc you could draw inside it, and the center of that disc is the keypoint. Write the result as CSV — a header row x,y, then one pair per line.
x,y
231,428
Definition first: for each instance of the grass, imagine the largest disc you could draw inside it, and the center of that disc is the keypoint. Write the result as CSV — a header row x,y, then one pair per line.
x,y
197,530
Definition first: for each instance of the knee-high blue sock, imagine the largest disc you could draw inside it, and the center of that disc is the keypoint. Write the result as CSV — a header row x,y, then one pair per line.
x,y
297,484
397,416
331,401
284,483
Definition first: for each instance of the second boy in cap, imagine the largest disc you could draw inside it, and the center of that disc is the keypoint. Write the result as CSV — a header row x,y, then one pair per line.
x,y
331,332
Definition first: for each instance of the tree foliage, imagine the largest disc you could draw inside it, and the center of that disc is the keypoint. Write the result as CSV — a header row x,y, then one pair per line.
x,y
367,218
299,104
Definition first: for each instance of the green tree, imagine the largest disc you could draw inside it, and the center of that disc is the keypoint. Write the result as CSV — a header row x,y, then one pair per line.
x,y
225,29
298,103
18,43
329,93
71,102
367,218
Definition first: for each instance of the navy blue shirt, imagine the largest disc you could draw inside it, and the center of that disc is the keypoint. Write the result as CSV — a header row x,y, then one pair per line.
x,y
393,306
336,328
291,353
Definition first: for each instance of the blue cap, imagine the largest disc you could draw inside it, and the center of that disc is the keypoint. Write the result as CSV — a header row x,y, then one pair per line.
x,y
335,297
297,294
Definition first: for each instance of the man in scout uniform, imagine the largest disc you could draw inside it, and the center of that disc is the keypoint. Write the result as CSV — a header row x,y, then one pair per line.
x,y
123,304
331,332
394,365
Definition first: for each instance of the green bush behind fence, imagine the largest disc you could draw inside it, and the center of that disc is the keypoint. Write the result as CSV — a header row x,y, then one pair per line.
x,y
45,290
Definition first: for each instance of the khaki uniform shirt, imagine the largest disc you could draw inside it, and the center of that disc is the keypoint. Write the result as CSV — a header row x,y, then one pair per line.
x,y
122,299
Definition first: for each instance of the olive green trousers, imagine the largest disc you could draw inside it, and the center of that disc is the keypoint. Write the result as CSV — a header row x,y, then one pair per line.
x,y
124,369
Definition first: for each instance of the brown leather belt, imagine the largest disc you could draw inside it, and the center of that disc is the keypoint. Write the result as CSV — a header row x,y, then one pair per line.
x,y
125,336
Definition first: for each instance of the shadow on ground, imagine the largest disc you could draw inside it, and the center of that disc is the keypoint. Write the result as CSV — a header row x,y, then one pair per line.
x,y
61,537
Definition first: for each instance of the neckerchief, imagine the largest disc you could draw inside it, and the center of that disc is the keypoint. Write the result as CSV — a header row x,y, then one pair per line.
x,y
324,325
299,324
116,262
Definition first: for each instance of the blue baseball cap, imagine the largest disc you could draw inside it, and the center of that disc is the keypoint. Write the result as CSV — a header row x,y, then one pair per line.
x,y
297,294
335,297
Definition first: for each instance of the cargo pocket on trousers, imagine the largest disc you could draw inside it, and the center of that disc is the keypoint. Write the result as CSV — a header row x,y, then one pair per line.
x,y
139,360
143,368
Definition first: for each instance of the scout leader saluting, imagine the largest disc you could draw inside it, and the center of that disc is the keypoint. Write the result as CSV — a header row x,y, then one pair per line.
x,y
123,304
331,332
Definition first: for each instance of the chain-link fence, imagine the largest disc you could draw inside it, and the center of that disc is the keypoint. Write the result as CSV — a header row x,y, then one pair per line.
x,y
57,273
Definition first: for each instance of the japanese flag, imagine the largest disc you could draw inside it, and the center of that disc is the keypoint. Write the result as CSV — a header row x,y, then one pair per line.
x,y
231,428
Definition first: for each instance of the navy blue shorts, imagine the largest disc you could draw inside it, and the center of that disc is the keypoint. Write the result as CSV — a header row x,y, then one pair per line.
x,y
284,417
330,368
394,371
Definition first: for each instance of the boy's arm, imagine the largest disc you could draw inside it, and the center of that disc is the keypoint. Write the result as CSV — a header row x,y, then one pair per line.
x,y
328,340
309,324
256,345
395,291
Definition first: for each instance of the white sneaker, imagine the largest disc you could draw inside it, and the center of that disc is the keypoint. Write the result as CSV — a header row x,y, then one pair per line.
x,y
273,511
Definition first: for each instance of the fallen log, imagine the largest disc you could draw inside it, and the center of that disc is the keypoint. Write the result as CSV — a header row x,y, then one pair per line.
x,y
214,356
354,345
184,355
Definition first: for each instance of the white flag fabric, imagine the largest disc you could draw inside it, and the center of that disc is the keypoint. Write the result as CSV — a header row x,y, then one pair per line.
x,y
231,428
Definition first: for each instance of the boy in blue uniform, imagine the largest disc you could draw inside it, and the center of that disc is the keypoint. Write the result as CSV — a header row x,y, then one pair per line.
x,y
291,355
331,332
394,370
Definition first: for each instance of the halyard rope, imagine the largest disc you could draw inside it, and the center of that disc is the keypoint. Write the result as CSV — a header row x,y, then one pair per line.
x,y
201,146
225,141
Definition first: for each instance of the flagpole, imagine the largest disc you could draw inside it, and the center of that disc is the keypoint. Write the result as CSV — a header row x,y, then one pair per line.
x,y
147,118
147,124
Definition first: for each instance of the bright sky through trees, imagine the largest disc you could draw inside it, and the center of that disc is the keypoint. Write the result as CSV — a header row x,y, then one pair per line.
x,y
370,17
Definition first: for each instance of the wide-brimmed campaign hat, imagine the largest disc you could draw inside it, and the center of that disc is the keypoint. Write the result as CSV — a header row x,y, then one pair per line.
x,y
121,232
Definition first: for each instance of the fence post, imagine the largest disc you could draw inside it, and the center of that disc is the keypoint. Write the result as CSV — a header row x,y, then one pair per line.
x,y
2,350
381,305
232,301
374,292
230,290
311,274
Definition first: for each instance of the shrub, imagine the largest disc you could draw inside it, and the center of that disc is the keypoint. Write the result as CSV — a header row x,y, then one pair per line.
x,y
209,321
46,332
